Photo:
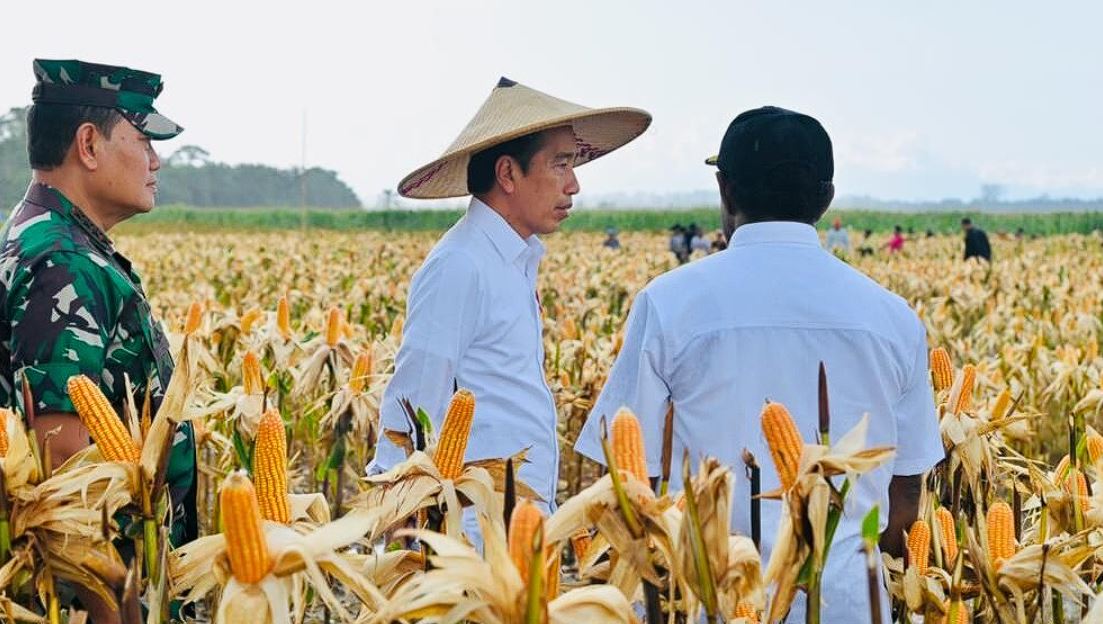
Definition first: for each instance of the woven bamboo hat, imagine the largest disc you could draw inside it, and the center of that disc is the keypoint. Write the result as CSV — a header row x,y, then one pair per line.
x,y
514,110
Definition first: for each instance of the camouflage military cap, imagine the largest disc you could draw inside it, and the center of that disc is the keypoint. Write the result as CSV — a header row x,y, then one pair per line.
x,y
129,91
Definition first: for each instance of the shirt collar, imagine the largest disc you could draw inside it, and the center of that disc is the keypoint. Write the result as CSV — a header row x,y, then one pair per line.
x,y
786,232
53,199
506,240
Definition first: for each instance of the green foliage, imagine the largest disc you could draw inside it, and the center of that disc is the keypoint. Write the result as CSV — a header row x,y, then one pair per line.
x,y
189,177
15,174
594,220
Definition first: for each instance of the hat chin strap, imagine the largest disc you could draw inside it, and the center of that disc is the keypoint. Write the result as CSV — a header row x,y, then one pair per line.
x,y
78,95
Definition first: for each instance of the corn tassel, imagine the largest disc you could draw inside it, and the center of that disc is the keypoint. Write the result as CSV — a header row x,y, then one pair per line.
x,y
919,546
194,318
270,468
942,370
523,524
946,530
1001,534
628,449
784,441
251,378
454,434
105,426
241,524
333,326
283,318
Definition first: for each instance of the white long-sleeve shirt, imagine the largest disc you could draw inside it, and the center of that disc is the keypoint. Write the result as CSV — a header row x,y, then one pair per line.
x,y
718,336
473,318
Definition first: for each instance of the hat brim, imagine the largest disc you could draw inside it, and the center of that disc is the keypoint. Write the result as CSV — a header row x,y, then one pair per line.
x,y
597,133
154,125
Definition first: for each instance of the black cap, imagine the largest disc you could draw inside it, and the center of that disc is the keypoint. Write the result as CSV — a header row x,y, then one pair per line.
x,y
766,147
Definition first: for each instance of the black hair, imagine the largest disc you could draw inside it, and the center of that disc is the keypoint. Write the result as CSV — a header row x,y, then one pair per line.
x,y
51,128
480,170
790,192
966,221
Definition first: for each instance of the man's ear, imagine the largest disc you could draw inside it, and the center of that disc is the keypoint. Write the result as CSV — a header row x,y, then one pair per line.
x,y
87,142
829,195
505,172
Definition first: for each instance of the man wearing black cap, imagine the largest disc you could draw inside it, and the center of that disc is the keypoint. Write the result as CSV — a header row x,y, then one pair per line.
x,y
976,241
715,337
70,303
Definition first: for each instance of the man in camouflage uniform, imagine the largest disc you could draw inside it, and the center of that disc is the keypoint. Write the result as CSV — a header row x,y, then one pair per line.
x,y
70,303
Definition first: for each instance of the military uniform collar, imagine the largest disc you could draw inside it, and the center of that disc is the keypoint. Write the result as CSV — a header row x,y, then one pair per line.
x,y
53,199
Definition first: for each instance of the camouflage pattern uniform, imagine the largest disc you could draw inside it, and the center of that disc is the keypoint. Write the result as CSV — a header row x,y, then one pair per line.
x,y
71,304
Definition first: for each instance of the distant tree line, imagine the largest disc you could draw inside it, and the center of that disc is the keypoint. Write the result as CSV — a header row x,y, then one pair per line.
x,y
190,177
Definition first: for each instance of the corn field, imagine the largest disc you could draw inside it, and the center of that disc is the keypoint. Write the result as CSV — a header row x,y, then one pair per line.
x,y
285,341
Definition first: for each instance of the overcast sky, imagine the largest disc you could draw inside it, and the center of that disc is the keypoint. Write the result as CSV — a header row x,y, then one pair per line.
x,y
923,100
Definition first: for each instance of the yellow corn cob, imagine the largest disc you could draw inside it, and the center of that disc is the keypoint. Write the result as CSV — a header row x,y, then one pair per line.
x,y
523,523
919,546
627,442
965,398
452,444
960,617
1003,402
270,468
949,536
252,380
784,441
283,318
942,370
249,320
396,327
1081,486
361,368
105,426
1001,534
1061,472
747,611
580,542
195,316
5,416
333,326
241,524
1095,446
552,573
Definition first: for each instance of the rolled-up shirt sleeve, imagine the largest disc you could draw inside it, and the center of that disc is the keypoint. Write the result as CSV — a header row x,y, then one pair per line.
x,y
636,381
919,443
441,317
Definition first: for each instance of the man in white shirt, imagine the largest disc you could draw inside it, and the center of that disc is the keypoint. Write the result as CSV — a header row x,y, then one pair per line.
x,y
473,313
838,237
718,336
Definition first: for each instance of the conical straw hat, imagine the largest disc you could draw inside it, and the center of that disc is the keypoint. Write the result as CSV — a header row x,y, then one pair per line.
x,y
514,110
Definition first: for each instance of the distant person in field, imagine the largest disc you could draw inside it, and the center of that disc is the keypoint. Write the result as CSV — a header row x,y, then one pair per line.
x,y
678,245
838,239
896,242
70,302
473,314
866,248
698,242
611,241
713,338
976,241
719,241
